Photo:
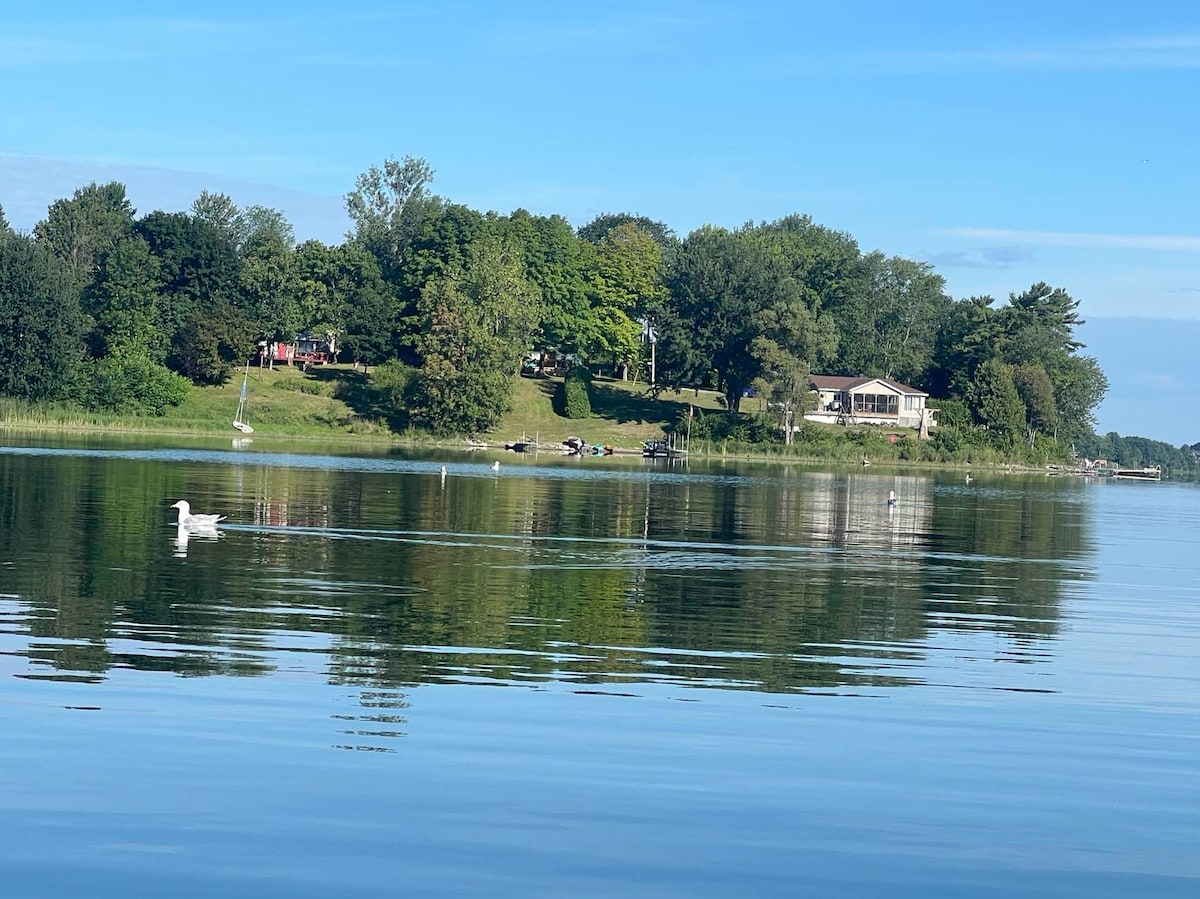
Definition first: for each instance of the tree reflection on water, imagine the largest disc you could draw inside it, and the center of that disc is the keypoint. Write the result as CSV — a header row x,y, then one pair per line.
x,y
769,579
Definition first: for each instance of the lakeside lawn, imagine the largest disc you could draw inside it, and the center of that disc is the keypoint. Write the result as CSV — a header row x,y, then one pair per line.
x,y
284,402
623,413
333,402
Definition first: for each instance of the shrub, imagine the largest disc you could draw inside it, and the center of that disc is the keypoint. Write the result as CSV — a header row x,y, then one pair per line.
x,y
133,385
574,394
718,427
389,382
208,348
953,413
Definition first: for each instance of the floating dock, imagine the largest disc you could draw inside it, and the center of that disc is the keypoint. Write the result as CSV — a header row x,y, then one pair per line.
x,y
1148,473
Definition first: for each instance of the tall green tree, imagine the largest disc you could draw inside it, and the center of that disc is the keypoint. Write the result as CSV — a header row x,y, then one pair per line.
x,y
271,293
387,206
629,289
199,263
369,308
602,225
560,264
1038,325
968,337
265,232
890,323
1037,328
128,338
219,212
200,300
5,228
825,263
727,291
79,231
124,304
1037,393
995,400
41,323
477,321
1079,387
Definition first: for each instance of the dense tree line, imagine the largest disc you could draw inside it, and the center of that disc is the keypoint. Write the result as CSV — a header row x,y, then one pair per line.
x,y
1181,462
109,310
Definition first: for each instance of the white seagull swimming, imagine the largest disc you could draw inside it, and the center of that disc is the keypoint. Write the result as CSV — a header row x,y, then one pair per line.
x,y
198,522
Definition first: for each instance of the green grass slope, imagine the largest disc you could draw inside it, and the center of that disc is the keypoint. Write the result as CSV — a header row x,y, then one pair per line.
x,y
623,413
333,402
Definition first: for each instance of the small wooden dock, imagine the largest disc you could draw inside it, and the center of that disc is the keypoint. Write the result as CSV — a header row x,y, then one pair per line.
x,y
1148,473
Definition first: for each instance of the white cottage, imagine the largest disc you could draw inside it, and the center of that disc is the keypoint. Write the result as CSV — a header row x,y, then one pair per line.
x,y
877,401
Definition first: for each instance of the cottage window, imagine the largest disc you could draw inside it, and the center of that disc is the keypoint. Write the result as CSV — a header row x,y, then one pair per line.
x,y
877,403
912,403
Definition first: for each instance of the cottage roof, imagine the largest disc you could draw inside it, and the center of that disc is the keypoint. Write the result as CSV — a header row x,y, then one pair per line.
x,y
852,383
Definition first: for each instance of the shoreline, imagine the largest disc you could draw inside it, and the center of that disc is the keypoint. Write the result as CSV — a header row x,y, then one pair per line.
x,y
491,446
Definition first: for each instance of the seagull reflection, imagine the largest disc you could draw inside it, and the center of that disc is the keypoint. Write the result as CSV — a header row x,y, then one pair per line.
x,y
183,535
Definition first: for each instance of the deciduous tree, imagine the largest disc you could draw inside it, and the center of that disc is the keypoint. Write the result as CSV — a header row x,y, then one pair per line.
x,y
41,323
1037,393
889,326
628,289
388,205
79,231
995,401
1079,387
124,303
477,321
560,264
727,291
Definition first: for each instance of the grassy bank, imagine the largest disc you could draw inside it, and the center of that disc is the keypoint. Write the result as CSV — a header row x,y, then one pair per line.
x,y
334,404
623,414
280,403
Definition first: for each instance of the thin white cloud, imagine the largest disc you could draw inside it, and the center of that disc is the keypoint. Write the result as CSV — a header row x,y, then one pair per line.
x,y
983,257
78,42
1163,243
349,60
18,53
30,184
1174,51
595,37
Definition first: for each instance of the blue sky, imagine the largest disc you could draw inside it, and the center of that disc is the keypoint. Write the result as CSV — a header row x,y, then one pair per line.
x,y
1006,143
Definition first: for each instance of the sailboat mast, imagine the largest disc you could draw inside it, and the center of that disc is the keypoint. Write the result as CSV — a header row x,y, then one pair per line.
x,y
241,409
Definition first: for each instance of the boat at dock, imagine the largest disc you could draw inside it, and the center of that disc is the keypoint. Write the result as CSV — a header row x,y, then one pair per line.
x,y
663,448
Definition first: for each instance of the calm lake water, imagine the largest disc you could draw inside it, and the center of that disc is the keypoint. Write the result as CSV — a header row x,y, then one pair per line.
x,y
580,677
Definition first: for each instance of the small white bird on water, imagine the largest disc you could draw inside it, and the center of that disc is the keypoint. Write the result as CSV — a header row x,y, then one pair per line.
x,y
188,520
891,498
496,465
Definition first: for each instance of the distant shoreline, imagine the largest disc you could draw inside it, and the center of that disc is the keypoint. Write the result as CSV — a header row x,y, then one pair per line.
x,y
496,448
